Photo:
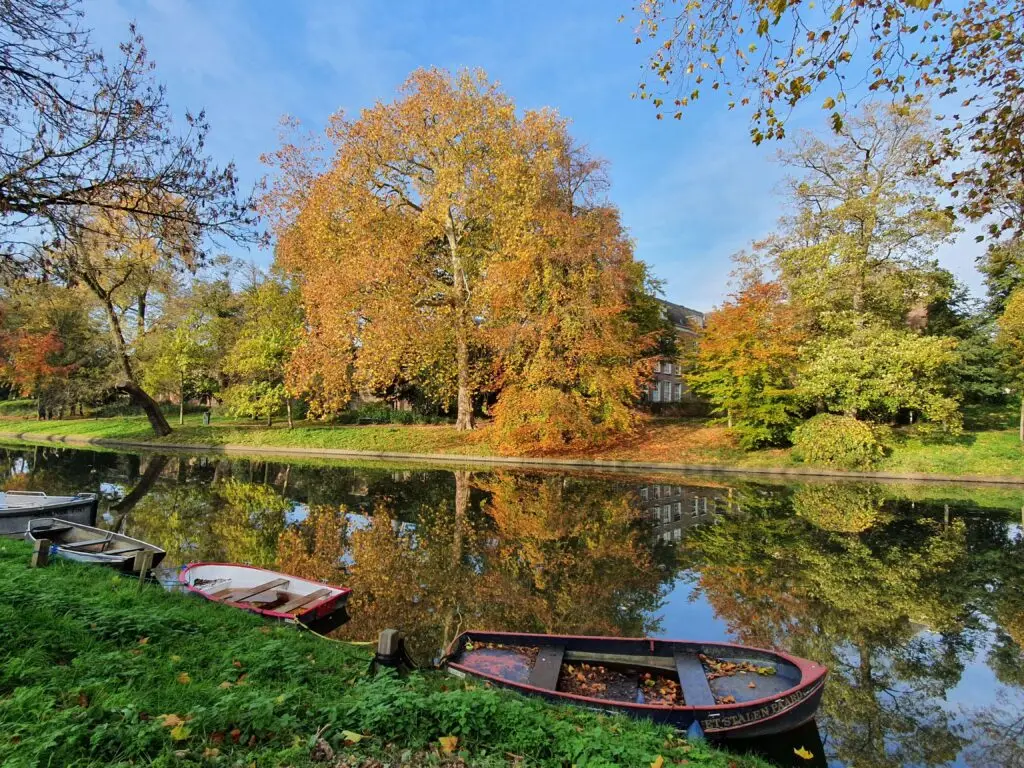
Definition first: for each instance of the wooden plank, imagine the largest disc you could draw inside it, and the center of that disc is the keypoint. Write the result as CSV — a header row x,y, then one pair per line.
x,y
623,659
693,680
546,668
84,544
40,553
222,594
249,593
302,600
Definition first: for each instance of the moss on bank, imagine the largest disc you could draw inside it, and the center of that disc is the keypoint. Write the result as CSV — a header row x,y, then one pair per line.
x,y
95,672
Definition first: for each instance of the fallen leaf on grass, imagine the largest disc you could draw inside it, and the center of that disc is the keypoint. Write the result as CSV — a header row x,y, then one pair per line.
x,y
237,664
658,762
184,678
351,737
211,752
235,735
803,752
143,640
449,743
175,658
225,684
180,732
217,737
170,721
83,700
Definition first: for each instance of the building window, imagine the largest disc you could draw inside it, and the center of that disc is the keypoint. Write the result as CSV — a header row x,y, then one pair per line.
x,y
657,491
666,394
678,511
643,493
656,392
657,367
677,393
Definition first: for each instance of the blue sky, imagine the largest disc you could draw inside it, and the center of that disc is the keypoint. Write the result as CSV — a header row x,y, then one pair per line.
x,y
691,193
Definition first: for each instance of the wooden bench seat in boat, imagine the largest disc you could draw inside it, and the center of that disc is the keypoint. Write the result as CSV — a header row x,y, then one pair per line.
x,y
547,667
693,680
250,592
88,543
301,600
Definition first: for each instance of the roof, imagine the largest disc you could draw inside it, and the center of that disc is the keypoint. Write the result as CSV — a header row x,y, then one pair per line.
x,y
682,317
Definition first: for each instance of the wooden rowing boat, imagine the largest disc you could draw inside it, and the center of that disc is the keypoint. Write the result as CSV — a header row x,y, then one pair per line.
x,y
265,592
732,691
86,544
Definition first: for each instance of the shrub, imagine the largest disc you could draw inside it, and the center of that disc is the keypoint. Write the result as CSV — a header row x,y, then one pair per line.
x,y
839,441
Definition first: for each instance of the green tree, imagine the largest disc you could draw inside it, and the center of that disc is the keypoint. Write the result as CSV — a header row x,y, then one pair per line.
x,y
271,327
877,373
1011,338
182,361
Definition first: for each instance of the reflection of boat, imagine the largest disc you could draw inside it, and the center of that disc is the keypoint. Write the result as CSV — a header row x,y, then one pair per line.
x,y
265,592
18,507
86,544
731,690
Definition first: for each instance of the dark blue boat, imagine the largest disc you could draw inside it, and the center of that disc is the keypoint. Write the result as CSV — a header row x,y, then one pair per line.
x,y
731,691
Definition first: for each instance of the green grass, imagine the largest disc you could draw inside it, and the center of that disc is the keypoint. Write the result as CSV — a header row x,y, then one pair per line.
x,y
94,671
990,449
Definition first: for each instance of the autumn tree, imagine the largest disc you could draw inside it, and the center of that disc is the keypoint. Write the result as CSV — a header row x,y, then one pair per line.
x,y
766,58
85,133
270,329
747,361
410,247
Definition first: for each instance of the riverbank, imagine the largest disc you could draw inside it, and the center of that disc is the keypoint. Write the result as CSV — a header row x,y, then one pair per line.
x,y
990,454
96,672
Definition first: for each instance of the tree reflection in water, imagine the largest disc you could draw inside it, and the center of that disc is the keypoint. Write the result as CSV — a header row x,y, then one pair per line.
x,y
917,606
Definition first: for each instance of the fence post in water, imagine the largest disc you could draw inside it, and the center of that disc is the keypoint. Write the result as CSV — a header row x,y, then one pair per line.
x,y
40,553
143,563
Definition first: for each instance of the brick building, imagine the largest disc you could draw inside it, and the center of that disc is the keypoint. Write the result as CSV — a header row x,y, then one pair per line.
x,y
668,385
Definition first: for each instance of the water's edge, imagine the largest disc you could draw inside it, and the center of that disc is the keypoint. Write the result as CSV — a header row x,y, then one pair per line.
x,y
447,459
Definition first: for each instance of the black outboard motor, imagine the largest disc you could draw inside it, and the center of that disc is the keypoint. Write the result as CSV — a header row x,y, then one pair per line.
x,y
391,652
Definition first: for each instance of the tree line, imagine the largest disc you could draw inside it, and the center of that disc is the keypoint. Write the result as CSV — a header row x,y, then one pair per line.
x,y
449,249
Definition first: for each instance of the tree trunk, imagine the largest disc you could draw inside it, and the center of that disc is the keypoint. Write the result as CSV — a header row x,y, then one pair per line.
x,y
288,410
464,417
1020,433
464,407
138,395
270,419
149,406
181,402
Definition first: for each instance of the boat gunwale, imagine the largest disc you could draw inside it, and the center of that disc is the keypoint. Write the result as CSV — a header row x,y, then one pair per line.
x,y
64,502
812,675
343,592
114,536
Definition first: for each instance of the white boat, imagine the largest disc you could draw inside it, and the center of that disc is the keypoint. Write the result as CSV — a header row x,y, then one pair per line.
x,y
18,507
86,544
262,591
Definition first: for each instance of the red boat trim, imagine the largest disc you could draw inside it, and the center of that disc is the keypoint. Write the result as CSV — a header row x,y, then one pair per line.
x,y
811,674
321,607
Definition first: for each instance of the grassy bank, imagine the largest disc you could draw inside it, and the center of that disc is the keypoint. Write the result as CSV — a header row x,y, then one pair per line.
x,y
93,672
989,449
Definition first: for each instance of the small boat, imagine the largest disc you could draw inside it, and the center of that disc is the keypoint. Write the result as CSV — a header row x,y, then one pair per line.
x,y
732,691
18,507
86,544
265,592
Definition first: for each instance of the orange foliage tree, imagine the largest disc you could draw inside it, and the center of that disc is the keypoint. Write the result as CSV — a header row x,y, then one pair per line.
x,y
747,360
416,245
30,361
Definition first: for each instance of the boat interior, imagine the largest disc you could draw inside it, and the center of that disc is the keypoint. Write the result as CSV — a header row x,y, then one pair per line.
x,y
253,588
675,675
95,541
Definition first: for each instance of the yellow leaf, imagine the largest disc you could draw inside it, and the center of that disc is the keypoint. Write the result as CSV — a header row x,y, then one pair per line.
x,y
803,752
184,678
448,743
175,658
143,640
211,752
225,684
351,737
658,762
179,732
171,720
829,103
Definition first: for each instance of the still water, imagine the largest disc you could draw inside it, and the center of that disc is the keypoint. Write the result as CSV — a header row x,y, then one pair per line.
x,y
912,595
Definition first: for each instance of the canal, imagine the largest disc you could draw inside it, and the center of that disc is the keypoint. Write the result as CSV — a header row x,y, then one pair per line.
x,y
912,595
